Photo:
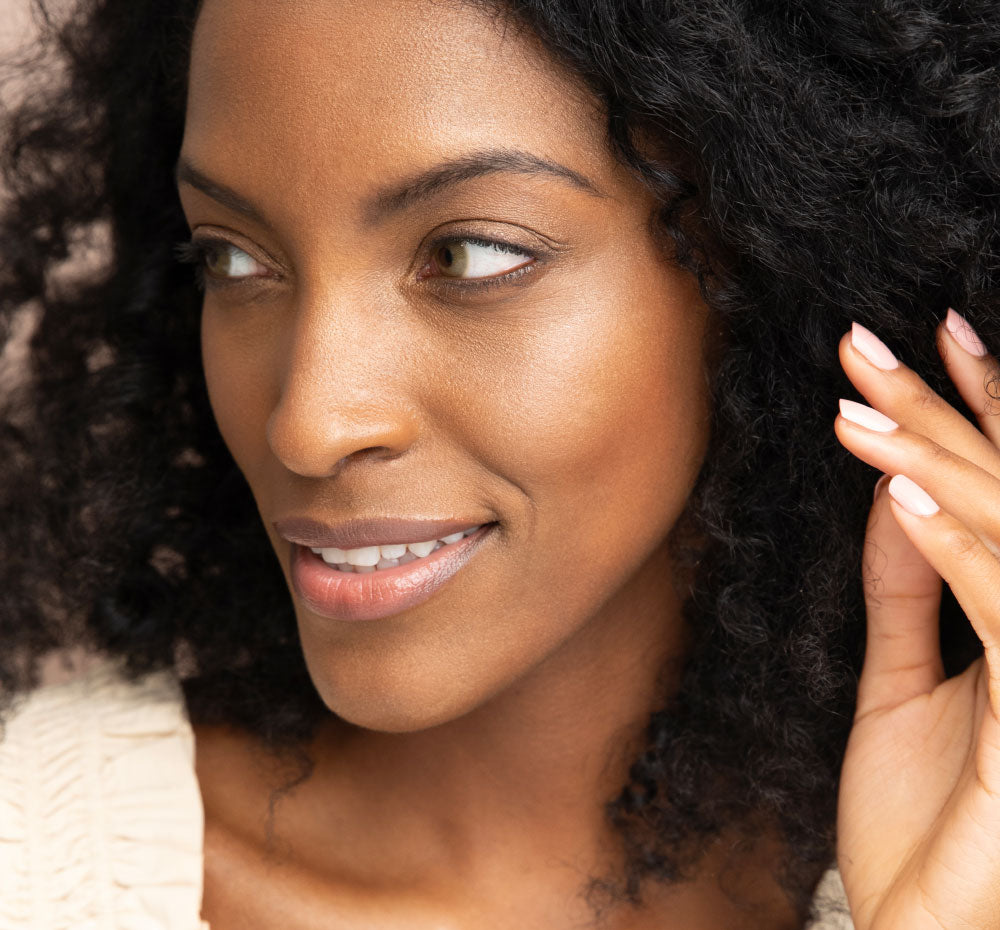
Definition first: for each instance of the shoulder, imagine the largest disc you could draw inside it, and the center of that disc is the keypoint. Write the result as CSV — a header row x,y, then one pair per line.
x,y
100,811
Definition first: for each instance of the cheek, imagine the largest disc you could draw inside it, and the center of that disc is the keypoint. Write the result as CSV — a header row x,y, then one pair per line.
x,y
238,387
601,420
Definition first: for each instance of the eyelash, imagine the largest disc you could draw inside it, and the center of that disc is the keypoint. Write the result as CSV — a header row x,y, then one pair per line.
x,y
482,284
195,251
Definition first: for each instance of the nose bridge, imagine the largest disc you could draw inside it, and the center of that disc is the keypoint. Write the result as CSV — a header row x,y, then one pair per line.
x,y
344,384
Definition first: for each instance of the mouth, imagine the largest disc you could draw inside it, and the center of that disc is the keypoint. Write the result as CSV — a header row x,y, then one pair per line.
x,y
374,582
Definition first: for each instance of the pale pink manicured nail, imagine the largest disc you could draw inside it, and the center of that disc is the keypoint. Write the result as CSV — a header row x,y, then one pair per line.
x,y
964,334
872,348
866,416
910,496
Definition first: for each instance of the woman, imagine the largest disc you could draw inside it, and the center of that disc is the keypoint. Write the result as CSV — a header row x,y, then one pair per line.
x,y
536,317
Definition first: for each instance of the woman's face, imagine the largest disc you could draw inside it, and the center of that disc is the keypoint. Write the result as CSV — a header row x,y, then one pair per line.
x,y
499,343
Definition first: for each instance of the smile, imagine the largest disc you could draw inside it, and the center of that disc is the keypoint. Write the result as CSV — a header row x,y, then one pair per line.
x,y
379,558
374,582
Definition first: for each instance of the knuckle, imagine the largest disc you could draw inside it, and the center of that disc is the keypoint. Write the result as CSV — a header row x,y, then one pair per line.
x,y
922,398
934,451
962,545
920,447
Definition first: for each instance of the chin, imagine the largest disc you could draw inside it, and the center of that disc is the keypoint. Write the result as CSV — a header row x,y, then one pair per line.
x,y
390,700
390,712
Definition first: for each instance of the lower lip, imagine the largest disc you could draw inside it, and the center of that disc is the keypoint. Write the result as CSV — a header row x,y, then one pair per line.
x,y
374,595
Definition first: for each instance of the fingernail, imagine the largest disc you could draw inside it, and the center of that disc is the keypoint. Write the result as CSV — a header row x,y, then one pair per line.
x,y
867,417
878,487
964,334
911,497
872,348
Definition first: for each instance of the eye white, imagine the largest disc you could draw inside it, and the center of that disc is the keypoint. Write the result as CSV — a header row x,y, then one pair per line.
x,y
235,263
463,258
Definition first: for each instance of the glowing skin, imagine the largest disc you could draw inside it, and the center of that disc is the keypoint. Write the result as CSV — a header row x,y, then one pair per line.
x,y
355,379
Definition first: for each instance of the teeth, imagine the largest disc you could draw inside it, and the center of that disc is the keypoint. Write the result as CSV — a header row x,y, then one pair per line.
x,y
369,555
371,558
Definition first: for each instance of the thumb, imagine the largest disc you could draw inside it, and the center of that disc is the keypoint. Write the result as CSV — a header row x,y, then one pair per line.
x,y
902,603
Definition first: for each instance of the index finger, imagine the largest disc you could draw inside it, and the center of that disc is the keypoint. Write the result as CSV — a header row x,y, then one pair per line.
x,y
972,370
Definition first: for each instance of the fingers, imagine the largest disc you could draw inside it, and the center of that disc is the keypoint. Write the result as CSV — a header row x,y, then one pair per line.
x,y
920,435
959,556
903,600
899,393
973,371
944,499
969,492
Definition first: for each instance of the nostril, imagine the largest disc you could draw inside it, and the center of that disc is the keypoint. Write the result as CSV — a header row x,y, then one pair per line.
x,y
316,439
315,457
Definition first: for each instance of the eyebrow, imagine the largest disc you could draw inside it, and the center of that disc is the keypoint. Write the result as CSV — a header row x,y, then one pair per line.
x,y
405,194
478,164
187,173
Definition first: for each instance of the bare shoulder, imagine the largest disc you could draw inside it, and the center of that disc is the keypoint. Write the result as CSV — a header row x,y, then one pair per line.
x,y
242,887
260,867
233,771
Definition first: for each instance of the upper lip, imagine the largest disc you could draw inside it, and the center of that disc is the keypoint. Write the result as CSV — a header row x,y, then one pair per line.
x,y
358,534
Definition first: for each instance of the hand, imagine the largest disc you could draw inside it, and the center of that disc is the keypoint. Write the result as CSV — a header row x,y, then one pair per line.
x,y
919,810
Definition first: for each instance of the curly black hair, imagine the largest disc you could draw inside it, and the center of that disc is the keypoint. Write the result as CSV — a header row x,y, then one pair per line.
x,y
815,162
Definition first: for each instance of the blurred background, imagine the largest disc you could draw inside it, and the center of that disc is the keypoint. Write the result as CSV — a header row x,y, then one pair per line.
x,y
17,31
14,24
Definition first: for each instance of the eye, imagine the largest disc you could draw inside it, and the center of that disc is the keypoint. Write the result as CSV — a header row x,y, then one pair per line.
x,y
219,262
465,258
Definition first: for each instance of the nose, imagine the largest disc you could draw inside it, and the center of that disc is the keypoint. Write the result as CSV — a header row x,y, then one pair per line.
x,y
343,395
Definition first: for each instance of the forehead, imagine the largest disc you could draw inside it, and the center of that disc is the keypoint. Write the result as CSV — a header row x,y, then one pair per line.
x,y
314,92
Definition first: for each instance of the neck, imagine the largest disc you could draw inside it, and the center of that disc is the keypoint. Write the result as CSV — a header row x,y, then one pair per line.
x,y
506,803
530,770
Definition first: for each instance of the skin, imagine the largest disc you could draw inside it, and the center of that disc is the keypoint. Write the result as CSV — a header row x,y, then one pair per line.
x,y
922,770
476,736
